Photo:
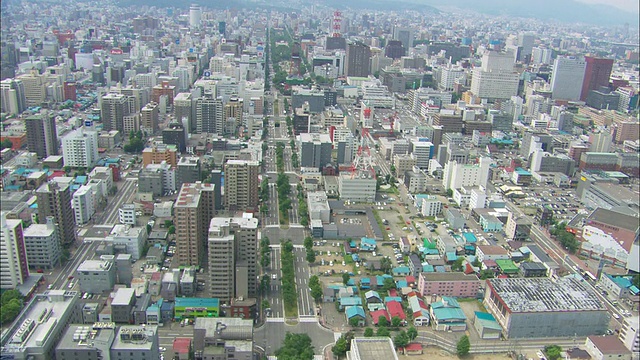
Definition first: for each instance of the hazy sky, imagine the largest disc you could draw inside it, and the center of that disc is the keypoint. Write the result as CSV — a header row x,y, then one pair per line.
x,y
628,5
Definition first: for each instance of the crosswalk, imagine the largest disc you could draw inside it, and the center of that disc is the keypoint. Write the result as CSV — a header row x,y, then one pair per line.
x,y
307,319
275,320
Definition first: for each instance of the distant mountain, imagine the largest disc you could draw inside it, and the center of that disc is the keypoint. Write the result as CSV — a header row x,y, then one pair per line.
x,y
569,11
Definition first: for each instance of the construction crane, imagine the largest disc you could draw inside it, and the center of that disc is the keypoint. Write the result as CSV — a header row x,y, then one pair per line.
x,y
363,162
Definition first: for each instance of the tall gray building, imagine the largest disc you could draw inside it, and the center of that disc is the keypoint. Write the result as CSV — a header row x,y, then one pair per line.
x,y
209,116
42,136
358,61
55,200
188,170
315,150
42,244
150,181
404,35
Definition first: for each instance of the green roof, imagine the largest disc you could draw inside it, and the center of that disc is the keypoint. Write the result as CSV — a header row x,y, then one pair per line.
x,y
507,266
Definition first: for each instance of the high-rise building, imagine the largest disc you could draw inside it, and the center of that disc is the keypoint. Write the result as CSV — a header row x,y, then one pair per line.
x,y
233,244
596,74
193,210
449,75
42,136
358,60
188,170
600,142
12,98
175,134
567,77
159,153
232,114
495,79
405,36
84,204
241,185
114,107
163,89
42,244
315,150
80,148
209,116
55,200
182,110
195,16
526,42
13,255
35,87
149,117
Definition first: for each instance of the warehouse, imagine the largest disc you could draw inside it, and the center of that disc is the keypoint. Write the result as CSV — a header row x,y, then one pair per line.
x,y
541,307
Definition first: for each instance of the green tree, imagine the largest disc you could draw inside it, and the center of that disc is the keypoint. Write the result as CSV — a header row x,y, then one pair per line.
x,y
636,281
340,348
311,256
9,295
308,242
463,346
10,310
265,304
368,332
396,321
554,352
172,229
6,144
386,265
316,293
412,333
449,193
383,331
354,321
149,228
295,347
345,278
382,321
401,340
388,284
314,280
457,265
264,283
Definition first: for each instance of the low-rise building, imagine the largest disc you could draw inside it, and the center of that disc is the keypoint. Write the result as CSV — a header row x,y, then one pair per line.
x,y
122,304
223,339
372,348
96,276
606,347
136,342
86,341
448,284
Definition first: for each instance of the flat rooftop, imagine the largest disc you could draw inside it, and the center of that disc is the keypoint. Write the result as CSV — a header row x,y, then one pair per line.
x,y
614,218
523,295
84,336
373,348
453,276
229,328
145,343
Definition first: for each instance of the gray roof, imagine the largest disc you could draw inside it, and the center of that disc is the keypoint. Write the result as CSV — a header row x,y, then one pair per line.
x,y
523,295
226,328
373,348
614,218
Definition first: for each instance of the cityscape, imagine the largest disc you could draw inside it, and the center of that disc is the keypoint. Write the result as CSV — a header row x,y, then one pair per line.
x,y
298,180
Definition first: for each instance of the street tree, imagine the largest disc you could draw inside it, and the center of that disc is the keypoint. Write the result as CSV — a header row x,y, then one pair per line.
x,y
463,346
412,333
368,332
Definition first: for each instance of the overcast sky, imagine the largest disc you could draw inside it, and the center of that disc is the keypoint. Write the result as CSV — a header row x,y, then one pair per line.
x,y
628,5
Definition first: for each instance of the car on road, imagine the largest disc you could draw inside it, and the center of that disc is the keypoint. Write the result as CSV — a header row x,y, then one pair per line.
x,y
616,316
162,348
50,286
70,277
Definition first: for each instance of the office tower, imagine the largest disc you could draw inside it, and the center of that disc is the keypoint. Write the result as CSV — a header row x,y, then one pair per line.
x,y
149,117
80,148
159,153
182,110
210,116
12,98
241,185
495,79
42,244
449,75
163,89
42,136
596,74
35,87
193,210
315,150
541,55
175,134
131,123
195,16
232,257
232,114
394,49
13,256
114,107
188,170
55,200
358,60
600,142
567,77
525,42
216,180
405,36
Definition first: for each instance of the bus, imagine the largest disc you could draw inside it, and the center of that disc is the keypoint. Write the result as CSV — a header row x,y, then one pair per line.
x,y
589,276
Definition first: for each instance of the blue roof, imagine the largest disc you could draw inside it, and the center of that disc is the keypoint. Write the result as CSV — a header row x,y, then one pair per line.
x,y
440,268
351,282
469,237
352,311
350,301
522,171
451,256
355,257
427,268
449,314
401,270
365,280
80,179
197,302
372,293
487,320
392,298
634,290
401,283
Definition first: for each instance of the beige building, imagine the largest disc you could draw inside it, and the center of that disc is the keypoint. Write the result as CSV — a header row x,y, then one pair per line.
x,y
232,257
241,185
403,163
149,117
159,153
193,210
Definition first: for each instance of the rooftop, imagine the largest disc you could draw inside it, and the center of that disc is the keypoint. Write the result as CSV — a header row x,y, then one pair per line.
x,y
613,218
123,296
94,265
542,294
609,345
84,336
145,342
373,348
225,328
452,276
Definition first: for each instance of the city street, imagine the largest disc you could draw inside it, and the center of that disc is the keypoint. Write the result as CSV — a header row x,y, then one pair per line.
x,y
274,296
306,306
271,335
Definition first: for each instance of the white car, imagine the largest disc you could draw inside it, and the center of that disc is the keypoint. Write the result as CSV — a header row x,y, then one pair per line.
x,y
163,348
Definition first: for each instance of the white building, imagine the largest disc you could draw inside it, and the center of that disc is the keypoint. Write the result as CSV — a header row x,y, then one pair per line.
x,y
449,75
358,186
130,239
567,77
478,197
84,204
422,151
80,148
42,244
495,79
599,242
319,206
630,334
168,175
430,206
458,175
127,214
163,209
14,268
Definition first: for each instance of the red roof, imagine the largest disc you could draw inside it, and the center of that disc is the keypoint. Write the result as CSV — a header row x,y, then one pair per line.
x,y
375,315
395,309
468,269
156,276
411,279
413,347
392,292
503,277
490,263
57,173
181,345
